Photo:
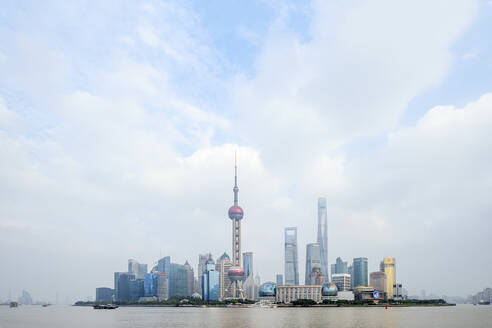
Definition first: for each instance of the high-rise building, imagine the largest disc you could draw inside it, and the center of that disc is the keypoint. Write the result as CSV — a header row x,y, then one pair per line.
x,y
248,264
178,281
136,289
122,285
339,267
313,260
350,270
222,267
236,213
249,287
316,277
25,298
323,235
162,286
104,294
190,279
150,284
137,269
388,267
378,280
360,272
202,259
341,280
210,282
164,264
291,264
280,279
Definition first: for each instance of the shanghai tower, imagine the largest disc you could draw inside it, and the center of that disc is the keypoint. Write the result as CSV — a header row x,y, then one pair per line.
x,y
323,236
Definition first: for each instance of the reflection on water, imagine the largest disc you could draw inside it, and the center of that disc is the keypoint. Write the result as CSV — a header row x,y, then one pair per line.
x,y
65,316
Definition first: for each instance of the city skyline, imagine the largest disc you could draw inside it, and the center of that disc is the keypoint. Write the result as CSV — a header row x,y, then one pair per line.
x,y
118,137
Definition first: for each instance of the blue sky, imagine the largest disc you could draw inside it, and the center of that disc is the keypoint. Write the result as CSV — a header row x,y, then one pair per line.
x,y
119,121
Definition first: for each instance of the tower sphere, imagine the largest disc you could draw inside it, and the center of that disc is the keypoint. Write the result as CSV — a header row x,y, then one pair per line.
x,y
235,273
236,212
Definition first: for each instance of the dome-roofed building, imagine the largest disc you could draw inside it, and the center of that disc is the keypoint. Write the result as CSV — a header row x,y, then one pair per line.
x,y
267,289
224,257
329,289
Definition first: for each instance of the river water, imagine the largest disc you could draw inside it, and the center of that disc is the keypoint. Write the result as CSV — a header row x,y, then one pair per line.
x,y
71,316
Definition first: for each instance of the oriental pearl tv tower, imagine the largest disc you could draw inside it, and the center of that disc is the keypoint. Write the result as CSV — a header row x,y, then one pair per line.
x,y
235,273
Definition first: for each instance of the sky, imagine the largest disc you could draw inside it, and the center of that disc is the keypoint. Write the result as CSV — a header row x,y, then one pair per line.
x,y
119,121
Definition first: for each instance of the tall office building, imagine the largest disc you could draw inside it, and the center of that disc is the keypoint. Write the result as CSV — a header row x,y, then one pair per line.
x,y
388,267
202,259
136,289
323,235
316,277
150,284
178,281
248,264
313,260
339,267
280,279
162,286
137,269
236,213
222,267
378,280
291,273
164,264
122,285
350,270
249,287
190,279
360,272
210,282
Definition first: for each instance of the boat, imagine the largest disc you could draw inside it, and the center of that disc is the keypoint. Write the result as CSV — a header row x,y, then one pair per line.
x,y
14,304
105,307
482,302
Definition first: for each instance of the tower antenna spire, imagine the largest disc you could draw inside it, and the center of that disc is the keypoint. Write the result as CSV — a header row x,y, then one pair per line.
x,y
236,188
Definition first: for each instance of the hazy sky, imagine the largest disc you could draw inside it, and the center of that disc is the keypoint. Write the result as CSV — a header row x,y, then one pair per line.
x,y
119,121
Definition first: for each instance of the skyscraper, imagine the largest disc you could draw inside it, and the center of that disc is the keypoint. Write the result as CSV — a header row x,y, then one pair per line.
x,y
388,267
190,279
313,260
222,267
122,285
178,281
291,264
236,213
210,282
360,272
280,279
104,294
202,259
164,264
248,264
323,235
162,286
137,269
378,280
150,284
339,266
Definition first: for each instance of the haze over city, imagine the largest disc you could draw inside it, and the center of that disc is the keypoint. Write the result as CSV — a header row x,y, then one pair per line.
x,y
119,122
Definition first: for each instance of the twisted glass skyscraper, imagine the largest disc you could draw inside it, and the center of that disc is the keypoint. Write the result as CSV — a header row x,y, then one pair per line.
x,y
323,236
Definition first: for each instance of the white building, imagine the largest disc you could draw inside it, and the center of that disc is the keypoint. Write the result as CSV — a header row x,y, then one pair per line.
x,y
288,294
341,280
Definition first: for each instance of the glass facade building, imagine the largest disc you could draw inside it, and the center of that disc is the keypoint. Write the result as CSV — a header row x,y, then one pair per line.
x,y
150,285
248,264
323,235
178,282
164,264
122,284
210,282
313,260
280,279
339,267
104,294
136,289
360,273
291,262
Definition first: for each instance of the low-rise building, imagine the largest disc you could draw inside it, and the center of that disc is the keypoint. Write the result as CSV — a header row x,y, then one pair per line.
x,y
288,294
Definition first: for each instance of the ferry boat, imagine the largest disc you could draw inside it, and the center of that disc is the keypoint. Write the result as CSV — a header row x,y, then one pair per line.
x,y
105,307
14,304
